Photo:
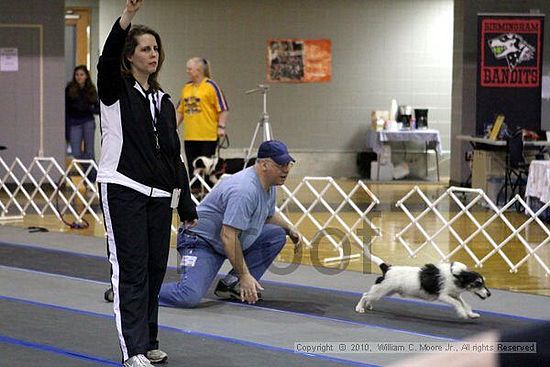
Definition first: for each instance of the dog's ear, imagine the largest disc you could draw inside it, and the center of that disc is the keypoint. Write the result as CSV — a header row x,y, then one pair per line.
x,y
457,268
199,162
462,279
207,164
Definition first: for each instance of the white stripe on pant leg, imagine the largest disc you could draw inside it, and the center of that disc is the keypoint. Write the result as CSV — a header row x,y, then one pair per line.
x,y
116,271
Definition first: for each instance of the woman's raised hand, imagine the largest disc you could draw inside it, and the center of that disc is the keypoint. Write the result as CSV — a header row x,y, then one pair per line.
x,y
133,5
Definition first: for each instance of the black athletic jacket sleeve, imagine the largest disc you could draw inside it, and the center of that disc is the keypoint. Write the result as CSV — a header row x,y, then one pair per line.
x,y
109,79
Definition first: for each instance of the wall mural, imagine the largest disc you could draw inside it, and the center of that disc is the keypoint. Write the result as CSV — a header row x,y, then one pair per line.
x,y
299,61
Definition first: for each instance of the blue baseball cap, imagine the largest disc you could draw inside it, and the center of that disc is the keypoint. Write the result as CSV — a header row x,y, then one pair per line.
x,y
275,150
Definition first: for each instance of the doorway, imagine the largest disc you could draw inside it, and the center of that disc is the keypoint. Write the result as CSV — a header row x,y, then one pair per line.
x,y
77,50
77,39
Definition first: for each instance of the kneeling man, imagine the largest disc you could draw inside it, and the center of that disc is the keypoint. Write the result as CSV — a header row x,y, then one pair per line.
x,y
237,221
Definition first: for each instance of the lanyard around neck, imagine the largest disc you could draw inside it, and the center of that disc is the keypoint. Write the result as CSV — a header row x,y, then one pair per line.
x,y
155,112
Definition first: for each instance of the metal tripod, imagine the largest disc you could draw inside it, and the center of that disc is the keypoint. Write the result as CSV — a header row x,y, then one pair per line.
x,y
263,124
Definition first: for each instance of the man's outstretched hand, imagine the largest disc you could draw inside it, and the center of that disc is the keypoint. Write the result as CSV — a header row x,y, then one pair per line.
x,y
249,288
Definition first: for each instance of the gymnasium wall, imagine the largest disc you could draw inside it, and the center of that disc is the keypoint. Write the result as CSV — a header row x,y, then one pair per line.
x,y
382,50
418,52
32,98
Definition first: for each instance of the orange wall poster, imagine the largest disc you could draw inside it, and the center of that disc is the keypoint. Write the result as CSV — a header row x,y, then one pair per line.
x,y
299,61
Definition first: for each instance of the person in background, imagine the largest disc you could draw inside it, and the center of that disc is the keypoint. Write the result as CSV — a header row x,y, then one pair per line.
x,y
203,109
81,104
142,177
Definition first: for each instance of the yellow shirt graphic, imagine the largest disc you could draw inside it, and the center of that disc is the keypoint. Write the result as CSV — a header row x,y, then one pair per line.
x,y
201,106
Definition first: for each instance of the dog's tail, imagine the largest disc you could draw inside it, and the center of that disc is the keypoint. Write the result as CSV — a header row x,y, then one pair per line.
x,y
375,259
378,261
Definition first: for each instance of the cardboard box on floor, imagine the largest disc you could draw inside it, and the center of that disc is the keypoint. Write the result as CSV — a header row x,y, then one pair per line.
x,y
487,165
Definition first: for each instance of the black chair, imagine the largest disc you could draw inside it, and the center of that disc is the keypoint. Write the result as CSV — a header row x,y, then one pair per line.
x,y
517,169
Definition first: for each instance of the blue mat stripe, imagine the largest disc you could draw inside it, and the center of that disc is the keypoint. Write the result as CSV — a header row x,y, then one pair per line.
x,y
64,352
340,320
32,271
400,300
194,333
242,304
298,286
290,285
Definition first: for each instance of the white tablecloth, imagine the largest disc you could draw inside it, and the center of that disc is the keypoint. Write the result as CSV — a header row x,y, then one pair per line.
x,y
376,139
538,181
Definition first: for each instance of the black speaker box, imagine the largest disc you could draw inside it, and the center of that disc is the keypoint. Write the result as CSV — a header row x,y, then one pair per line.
x,y
363,163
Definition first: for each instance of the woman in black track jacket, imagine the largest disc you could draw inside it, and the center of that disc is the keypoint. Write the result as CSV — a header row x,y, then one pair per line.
x,y
140,173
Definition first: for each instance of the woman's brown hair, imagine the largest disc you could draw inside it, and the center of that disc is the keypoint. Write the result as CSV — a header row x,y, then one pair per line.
x,y
89,88
130,46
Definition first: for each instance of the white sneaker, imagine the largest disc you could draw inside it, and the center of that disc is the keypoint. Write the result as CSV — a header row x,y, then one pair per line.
x,y
157,356
138,361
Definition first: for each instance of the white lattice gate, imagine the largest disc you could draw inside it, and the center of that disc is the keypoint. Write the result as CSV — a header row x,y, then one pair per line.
x,y
477,197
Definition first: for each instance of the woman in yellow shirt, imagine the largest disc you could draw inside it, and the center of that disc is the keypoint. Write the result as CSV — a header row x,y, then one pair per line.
x,y
203,110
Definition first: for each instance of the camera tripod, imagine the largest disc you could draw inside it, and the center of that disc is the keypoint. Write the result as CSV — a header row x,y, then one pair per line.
x,y
263,124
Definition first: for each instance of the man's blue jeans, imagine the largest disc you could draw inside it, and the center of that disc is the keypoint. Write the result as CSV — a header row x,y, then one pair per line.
x,y
201,264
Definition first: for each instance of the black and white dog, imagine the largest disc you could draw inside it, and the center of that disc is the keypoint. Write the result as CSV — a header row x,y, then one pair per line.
x,y
444,282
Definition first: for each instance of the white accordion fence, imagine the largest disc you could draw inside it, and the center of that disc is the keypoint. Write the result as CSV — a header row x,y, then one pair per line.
x,y
334,228
335,220
47,188
478,197
44,187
